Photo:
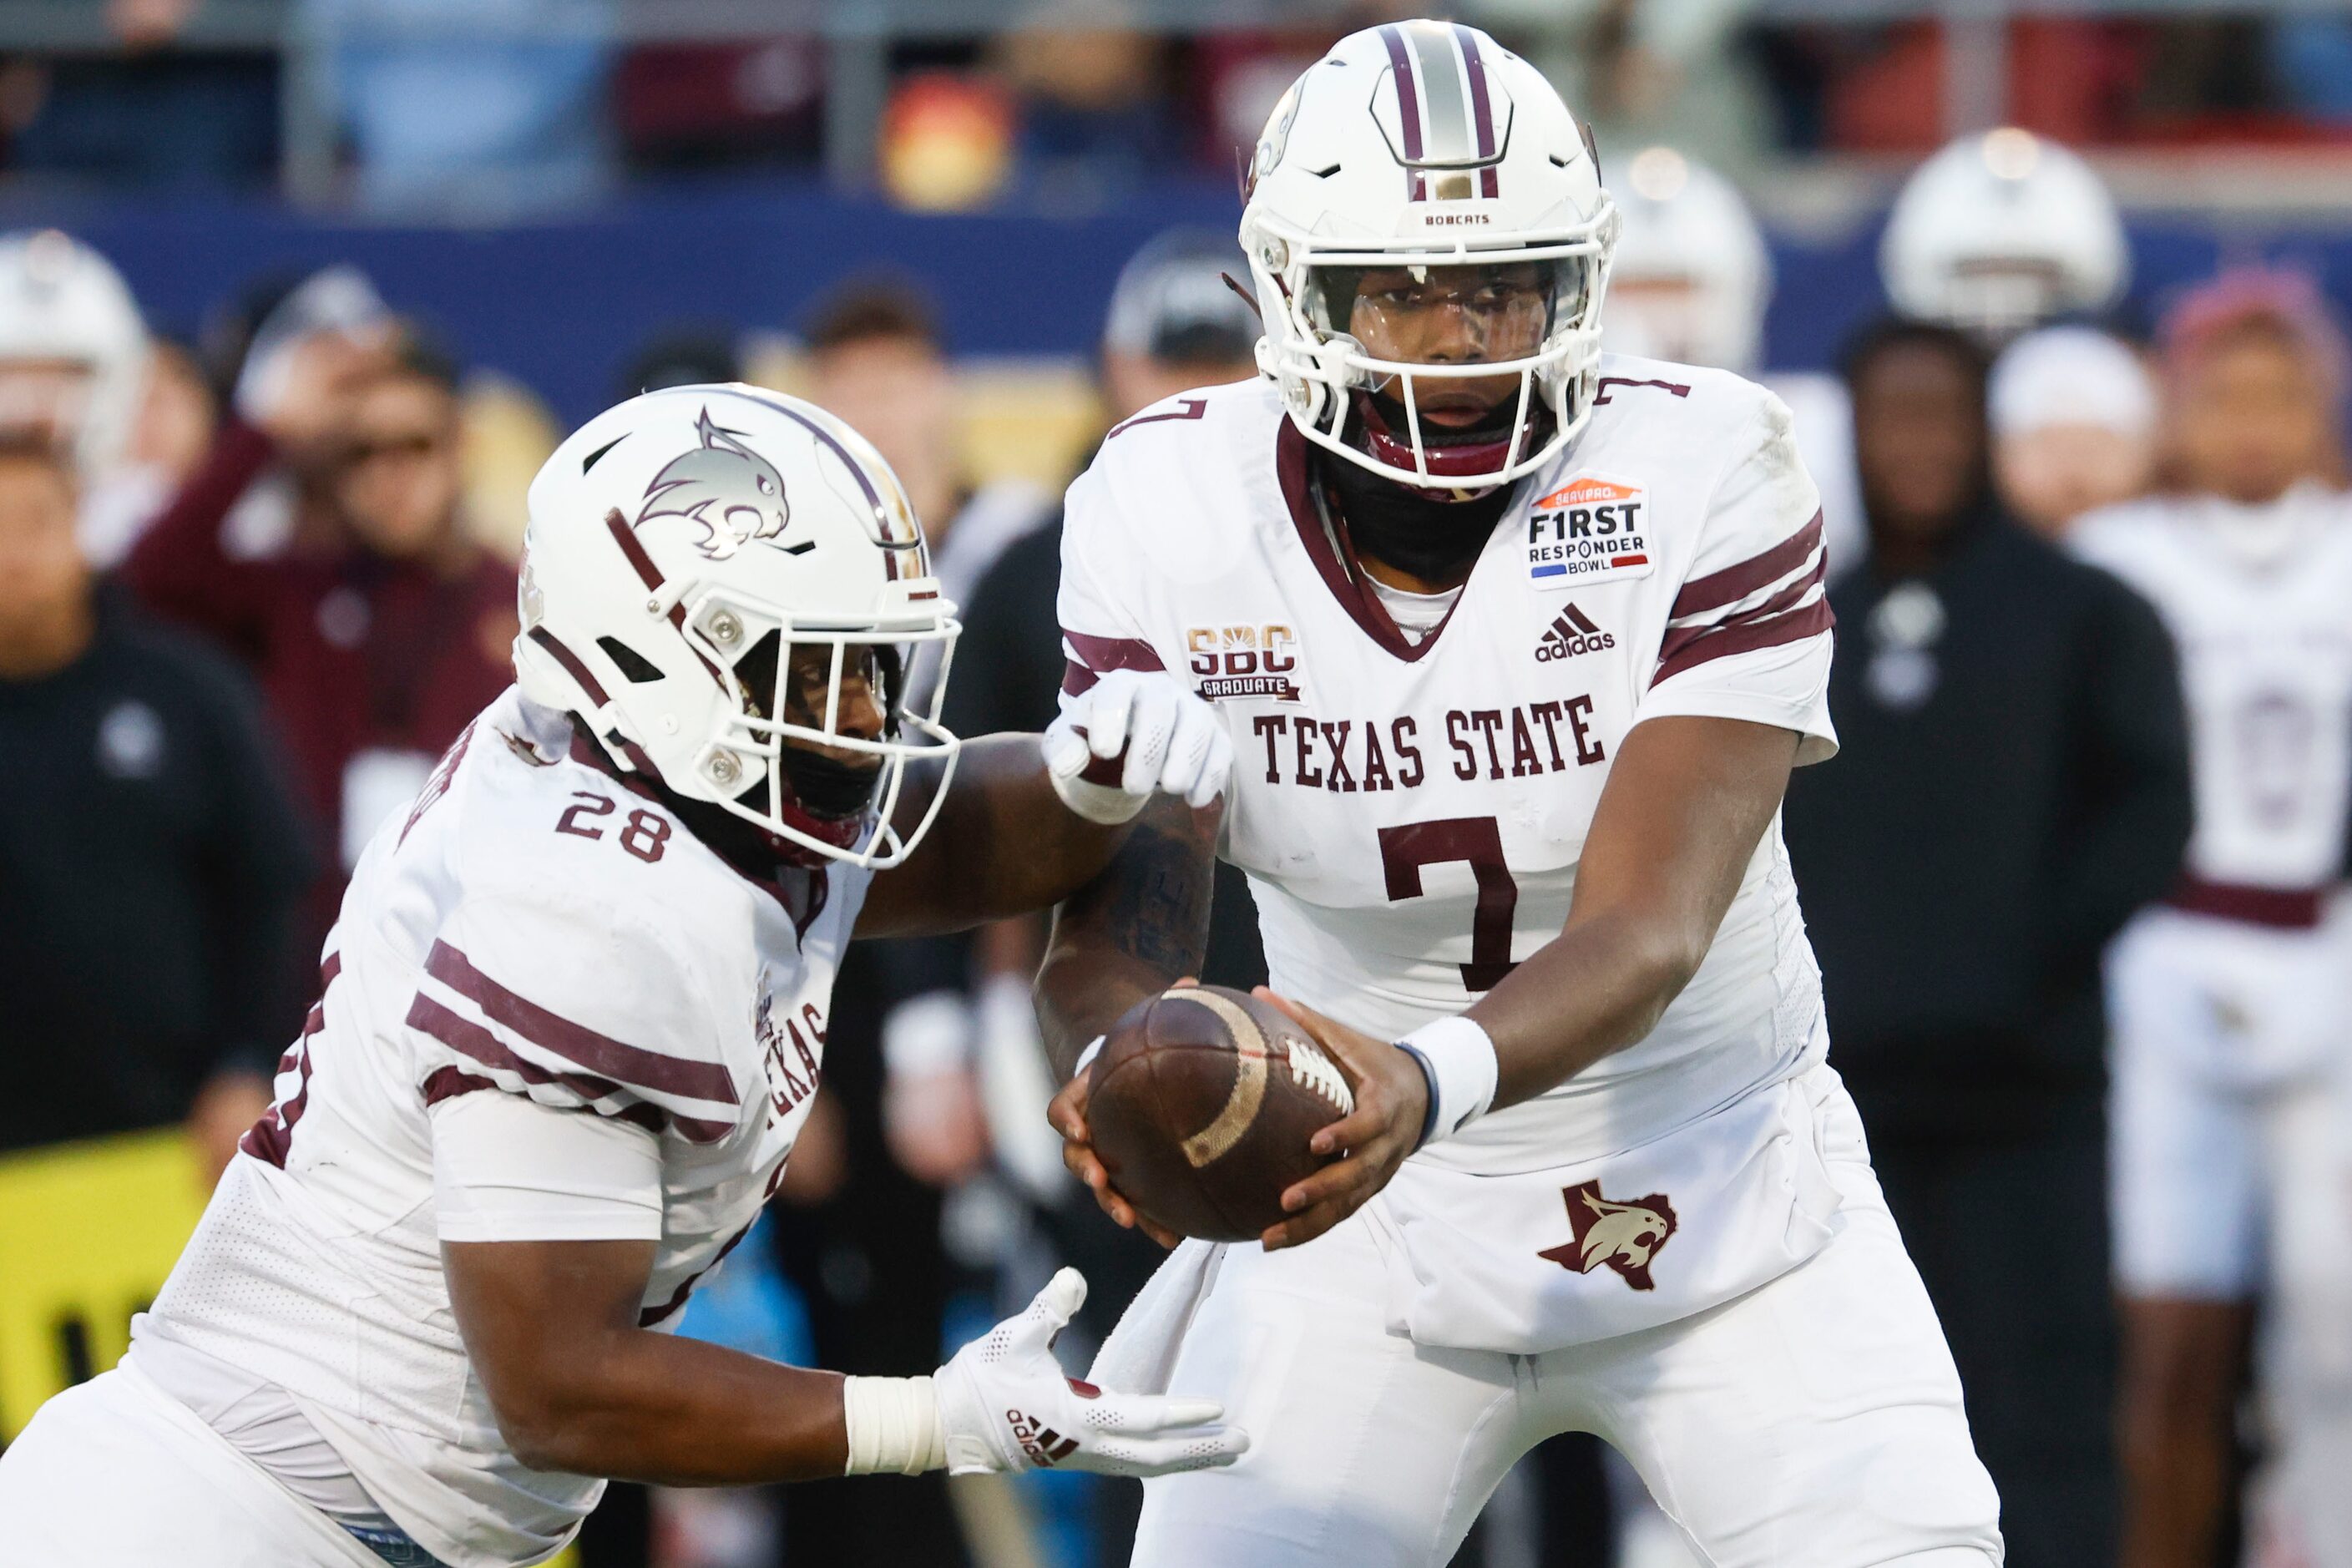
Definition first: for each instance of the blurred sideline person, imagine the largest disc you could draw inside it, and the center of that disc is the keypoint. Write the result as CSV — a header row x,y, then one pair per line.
x,y
572,1019
377,642
151,855
2073,415
2013,786
74,366
1690,283
2234,1009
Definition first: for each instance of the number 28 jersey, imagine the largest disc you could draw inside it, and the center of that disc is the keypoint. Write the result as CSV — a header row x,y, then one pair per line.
x,y
531,927
1410,815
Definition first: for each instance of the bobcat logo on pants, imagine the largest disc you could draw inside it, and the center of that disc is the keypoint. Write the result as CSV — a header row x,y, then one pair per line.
x,y
736,494
1624,1235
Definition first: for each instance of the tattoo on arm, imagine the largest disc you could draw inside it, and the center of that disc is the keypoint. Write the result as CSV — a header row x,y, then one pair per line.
x,y
1159,902
1140,925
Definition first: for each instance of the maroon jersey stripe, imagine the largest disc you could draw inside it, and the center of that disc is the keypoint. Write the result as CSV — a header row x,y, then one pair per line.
x,y
484,1048
1103,655
631,1065
1748,637
1736,581
647,1318
1680,637
1076,678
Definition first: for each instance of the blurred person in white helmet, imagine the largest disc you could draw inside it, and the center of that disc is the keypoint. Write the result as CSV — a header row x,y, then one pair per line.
x,y
2073,416
73,370
572,1021
2002,231
2232,1099
1519,643
1691,280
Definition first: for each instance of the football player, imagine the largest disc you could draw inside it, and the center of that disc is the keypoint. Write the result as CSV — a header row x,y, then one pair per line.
x,y
73,370
1690,282
572,1017
2001,231
2232,1022
1517,643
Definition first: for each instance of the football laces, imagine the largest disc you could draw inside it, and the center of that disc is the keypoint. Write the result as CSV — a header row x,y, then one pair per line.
x,y
1310,1066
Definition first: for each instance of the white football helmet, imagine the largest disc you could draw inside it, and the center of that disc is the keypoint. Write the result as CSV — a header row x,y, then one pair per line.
x,y
2002,231
1691,277
73,352
679,547
1427,145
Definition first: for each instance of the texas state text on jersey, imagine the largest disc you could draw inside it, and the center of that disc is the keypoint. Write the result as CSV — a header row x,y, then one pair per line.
x,y
1410,815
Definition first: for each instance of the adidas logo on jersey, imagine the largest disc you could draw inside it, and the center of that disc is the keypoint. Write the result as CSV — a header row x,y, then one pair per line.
x,y
1571,633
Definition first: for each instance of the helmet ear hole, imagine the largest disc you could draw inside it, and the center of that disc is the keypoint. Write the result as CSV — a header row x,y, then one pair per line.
x,y
630,662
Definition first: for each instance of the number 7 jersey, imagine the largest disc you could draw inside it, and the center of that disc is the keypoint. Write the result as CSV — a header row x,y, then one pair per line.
x,y
1410,815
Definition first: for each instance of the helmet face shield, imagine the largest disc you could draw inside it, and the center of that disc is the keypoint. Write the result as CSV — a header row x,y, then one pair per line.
x,y
1467,355
815,743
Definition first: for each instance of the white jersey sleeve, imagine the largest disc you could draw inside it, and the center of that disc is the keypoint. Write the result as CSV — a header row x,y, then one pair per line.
x,y
1098,596
509,1169
1747,636
576,1004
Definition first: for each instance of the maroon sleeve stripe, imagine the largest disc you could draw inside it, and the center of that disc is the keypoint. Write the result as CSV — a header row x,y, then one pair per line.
x,y
1076,677
1747,636
1735,582
1680,637
482,1047
1103,655
449,1083
633,1066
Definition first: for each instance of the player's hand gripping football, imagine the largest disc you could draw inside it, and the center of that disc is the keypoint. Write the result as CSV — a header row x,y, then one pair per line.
x,y
1391,1104
1004,1404
1067,1112
1171,742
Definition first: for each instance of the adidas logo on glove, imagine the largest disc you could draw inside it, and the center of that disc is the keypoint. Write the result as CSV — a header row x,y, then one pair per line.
x,y
1571,633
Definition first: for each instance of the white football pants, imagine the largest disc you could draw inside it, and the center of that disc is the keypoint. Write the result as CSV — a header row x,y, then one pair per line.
x,y
117,1474
1814,1423
2233,1180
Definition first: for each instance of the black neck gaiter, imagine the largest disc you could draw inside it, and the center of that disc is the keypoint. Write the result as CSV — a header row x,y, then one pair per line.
x,y
1427,536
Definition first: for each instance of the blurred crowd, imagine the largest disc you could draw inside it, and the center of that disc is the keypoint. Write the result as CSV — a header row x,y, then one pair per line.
x,y
246,602
504,105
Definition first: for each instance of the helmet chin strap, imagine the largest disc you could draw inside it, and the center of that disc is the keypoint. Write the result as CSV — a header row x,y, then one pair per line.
x,y
1469,453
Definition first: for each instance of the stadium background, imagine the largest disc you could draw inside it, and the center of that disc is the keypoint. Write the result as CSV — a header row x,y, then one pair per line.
x,y
709,165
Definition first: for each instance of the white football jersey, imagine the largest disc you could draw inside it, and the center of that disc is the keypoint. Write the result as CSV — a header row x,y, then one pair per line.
x,y
1410,815
2259,601
530,926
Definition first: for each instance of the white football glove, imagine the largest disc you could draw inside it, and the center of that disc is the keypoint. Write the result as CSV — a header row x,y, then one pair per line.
x,y
1175,744
1004,1404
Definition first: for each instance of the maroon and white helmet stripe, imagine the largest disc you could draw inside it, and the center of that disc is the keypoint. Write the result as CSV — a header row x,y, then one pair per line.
x,y
1444,106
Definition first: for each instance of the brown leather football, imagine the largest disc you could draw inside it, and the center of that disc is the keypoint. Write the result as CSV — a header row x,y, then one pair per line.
x,y
1201,1103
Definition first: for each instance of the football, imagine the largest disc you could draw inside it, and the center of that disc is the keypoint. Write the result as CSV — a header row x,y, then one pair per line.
x,y
1201,1103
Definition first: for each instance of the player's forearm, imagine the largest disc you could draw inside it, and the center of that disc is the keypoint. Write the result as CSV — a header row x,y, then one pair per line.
x,y
1004,845
642,1407
1132,932
1598,987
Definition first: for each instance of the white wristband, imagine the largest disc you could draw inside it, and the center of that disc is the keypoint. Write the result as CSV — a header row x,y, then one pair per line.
x,y
1460,1062
893,1424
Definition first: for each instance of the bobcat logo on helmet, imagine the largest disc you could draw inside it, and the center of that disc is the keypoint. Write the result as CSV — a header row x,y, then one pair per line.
x,y
1624,1235
736,494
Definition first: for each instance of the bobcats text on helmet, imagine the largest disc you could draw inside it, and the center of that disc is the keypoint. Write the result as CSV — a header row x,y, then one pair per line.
x,y
1691,275
2002,231
680,547
1427,146
73,352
